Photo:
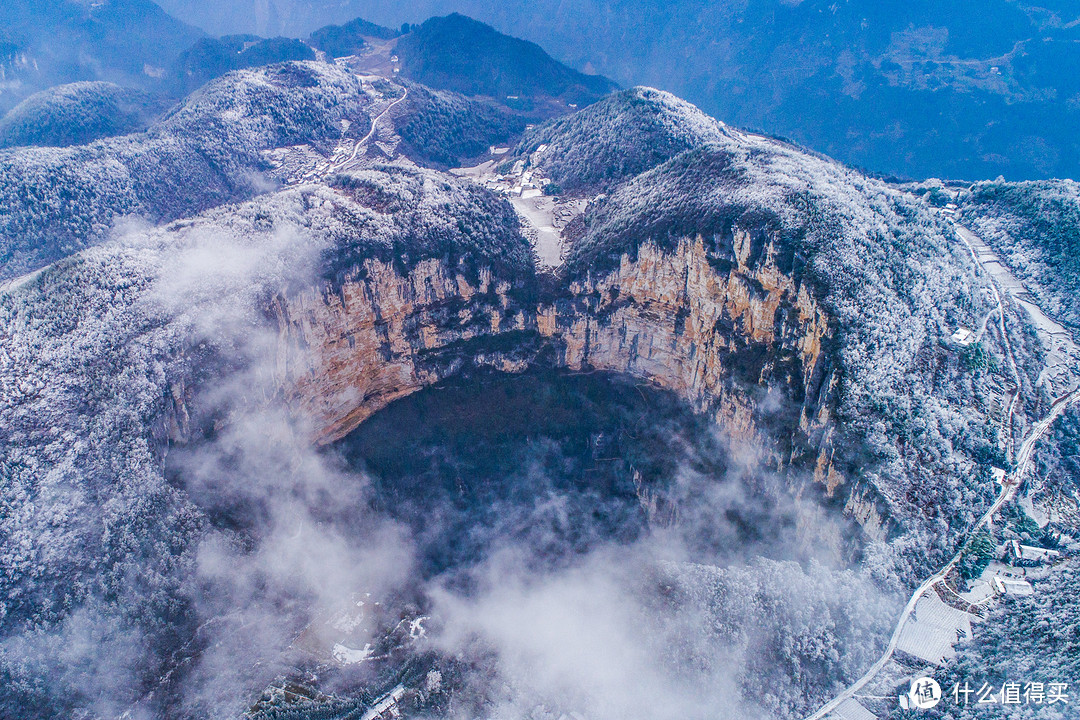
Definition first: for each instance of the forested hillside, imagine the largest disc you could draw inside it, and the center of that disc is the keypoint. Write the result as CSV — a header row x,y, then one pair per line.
x,y
210,58
629,132
1035,226
205,153
964,90
77,114
460,54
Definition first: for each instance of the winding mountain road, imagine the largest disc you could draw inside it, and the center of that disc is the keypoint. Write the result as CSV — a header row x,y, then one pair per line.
x,y
1023,460
374,126
1024,456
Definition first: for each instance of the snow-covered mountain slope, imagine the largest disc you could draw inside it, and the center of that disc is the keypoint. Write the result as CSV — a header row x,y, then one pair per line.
x,y
1035,226
76,114
219,146
204,153
619,137
103,356
171,397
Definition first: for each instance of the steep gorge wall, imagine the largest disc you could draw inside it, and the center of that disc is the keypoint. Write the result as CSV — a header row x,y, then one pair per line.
x,y
739,340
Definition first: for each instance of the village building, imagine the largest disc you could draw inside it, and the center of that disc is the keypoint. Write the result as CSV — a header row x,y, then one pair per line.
x,y
963,336
1011,586
1020,554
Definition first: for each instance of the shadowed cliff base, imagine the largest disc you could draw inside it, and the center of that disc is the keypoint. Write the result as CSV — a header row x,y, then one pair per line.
x,y
557,463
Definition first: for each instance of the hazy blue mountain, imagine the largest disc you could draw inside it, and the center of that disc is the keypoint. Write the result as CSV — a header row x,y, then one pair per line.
x,y
348,39
969,89
296,18
210,58
50,42
460,54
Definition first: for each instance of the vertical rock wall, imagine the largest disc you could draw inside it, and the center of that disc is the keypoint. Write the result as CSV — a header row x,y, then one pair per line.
x,y
740,340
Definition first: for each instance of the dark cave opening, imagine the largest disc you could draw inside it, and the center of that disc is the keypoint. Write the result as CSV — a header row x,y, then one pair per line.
x,y
543,482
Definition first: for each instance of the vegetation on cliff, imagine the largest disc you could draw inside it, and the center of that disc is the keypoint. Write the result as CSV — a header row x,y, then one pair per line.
x,y
110,357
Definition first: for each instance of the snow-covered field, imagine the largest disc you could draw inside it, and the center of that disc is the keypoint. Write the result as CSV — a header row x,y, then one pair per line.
x,y
1061,374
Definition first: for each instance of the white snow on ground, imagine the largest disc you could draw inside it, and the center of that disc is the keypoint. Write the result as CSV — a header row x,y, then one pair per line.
x,y
933,630
16,283
387,703
546,240
850,709
980,593
1063,355
346,623
543,217
416,628
298,164
348,656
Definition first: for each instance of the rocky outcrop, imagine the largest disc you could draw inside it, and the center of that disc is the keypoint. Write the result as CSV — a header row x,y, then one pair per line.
x,y
739,340
346,351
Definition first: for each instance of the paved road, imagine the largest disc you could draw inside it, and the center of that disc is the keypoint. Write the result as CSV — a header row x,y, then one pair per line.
x,y
1024,458
371,132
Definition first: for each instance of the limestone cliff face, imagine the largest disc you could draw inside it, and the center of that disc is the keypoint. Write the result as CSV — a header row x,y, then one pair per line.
x,y
345,352
729,342
739,340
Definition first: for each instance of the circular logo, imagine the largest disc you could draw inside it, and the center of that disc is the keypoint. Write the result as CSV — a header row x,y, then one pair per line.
x,y
925,693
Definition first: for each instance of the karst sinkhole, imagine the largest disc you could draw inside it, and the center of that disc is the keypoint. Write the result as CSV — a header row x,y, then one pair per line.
x,y
555,464
565,473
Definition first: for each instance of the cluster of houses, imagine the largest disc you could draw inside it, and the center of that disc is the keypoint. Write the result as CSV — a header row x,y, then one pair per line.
x,y
519,182
1019,557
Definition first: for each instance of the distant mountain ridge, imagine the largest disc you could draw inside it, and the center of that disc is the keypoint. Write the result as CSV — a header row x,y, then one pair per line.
x,y
50,42
464,55
348,38
967,90
449,53
210,58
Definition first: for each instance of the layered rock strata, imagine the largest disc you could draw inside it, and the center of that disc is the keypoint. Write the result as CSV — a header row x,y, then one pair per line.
x,y
739,339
